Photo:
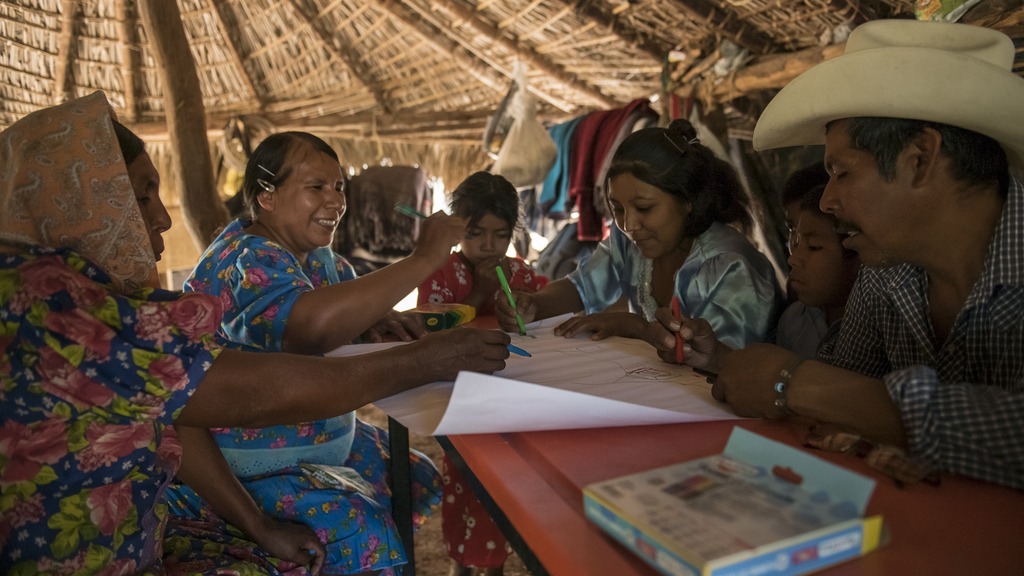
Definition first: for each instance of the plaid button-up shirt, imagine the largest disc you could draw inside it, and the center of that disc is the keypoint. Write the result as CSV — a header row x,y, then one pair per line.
x,y
962,405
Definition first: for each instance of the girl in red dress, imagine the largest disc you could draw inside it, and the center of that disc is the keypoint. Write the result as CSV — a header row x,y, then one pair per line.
x,y
491,206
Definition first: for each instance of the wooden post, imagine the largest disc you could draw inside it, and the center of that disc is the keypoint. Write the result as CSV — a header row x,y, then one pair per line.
x,y
186,120
65,51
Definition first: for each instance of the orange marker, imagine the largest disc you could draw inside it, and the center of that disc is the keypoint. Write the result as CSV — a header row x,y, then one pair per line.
x,y
679,337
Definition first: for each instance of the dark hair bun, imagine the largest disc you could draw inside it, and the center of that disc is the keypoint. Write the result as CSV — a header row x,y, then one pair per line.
x,y
680,130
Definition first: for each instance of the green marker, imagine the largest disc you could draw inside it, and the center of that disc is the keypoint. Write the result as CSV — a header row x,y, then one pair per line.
x,y
511,299
406,210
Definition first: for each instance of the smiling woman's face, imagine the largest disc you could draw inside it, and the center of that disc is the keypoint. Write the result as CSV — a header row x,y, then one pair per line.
x,y
146,185
303,212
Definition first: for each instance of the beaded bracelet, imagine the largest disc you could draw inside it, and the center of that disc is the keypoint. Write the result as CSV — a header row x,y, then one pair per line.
x,y
781,387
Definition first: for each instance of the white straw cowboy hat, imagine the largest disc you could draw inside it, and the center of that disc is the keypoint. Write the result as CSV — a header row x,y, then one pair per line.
x,y
953,74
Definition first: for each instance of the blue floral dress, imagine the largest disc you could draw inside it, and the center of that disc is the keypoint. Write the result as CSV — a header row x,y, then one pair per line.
x,y
90,382
258,282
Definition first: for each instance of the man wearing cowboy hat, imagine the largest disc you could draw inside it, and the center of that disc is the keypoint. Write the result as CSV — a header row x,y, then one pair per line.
x,y
922,123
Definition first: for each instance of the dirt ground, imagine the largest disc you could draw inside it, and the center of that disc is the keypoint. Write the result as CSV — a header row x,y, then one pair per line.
x,y
431,557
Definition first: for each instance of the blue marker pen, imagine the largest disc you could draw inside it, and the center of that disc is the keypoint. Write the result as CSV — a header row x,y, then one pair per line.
x,y
517,350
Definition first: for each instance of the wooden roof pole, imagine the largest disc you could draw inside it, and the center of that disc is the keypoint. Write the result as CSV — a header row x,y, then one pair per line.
x,y
771,72
535,61
741,33
775,71
231,32
129,59
630,37
67,41
473,65
360,73
1007,16
186,120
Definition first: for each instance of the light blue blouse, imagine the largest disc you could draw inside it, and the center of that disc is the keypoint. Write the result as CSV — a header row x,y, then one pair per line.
x,y
724,280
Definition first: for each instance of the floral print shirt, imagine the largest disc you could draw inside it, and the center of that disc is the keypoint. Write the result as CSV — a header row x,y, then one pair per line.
x,y
258,281
453,282
90,382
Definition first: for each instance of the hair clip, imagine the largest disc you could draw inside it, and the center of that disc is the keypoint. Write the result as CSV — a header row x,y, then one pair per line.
x,y
693,141
673,143
267,186
260,166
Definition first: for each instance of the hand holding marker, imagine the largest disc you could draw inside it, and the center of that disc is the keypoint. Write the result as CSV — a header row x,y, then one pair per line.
x,y
411,212
517,350
679,337
406,210
511,299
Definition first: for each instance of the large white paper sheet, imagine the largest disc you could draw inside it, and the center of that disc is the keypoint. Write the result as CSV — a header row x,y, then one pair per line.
x,y
568,383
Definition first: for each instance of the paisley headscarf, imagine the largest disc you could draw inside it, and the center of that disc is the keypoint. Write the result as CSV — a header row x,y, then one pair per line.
x,y
64,184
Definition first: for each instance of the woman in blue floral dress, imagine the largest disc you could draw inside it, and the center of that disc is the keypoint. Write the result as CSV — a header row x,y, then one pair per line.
x,y
96,362
284,289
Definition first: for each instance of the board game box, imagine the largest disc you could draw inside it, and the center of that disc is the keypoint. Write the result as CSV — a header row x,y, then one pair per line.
x,y
759,508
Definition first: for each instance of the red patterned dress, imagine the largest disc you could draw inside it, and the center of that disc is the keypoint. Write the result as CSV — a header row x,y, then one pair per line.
x,y
471,537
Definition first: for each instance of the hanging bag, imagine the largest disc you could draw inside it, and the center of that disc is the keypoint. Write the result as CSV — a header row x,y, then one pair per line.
x,y
528,152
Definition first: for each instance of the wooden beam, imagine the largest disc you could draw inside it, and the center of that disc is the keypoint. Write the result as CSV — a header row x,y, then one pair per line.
x,y
65,51
388,120
183,103
419,132
355,123
534,60
730,25
473,66
773,72
129,57
359,72
1007,16
626,34
233,37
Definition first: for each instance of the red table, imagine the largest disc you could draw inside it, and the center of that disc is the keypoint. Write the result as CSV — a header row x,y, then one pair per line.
x,y
536,478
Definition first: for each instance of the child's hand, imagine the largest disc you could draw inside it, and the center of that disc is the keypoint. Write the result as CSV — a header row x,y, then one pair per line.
x,y
485,277
603,325
439,233
527,308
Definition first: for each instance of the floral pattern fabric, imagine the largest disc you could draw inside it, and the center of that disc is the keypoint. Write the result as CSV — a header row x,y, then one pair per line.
x,y
359,530
258,282
453,282
470,535
90,382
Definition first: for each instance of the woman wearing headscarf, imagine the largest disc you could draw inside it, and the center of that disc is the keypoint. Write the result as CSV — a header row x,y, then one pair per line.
x,y
96,363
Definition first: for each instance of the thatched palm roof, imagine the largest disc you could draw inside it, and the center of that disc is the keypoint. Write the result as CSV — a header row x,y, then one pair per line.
x,y
415,80
405,69
394,68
